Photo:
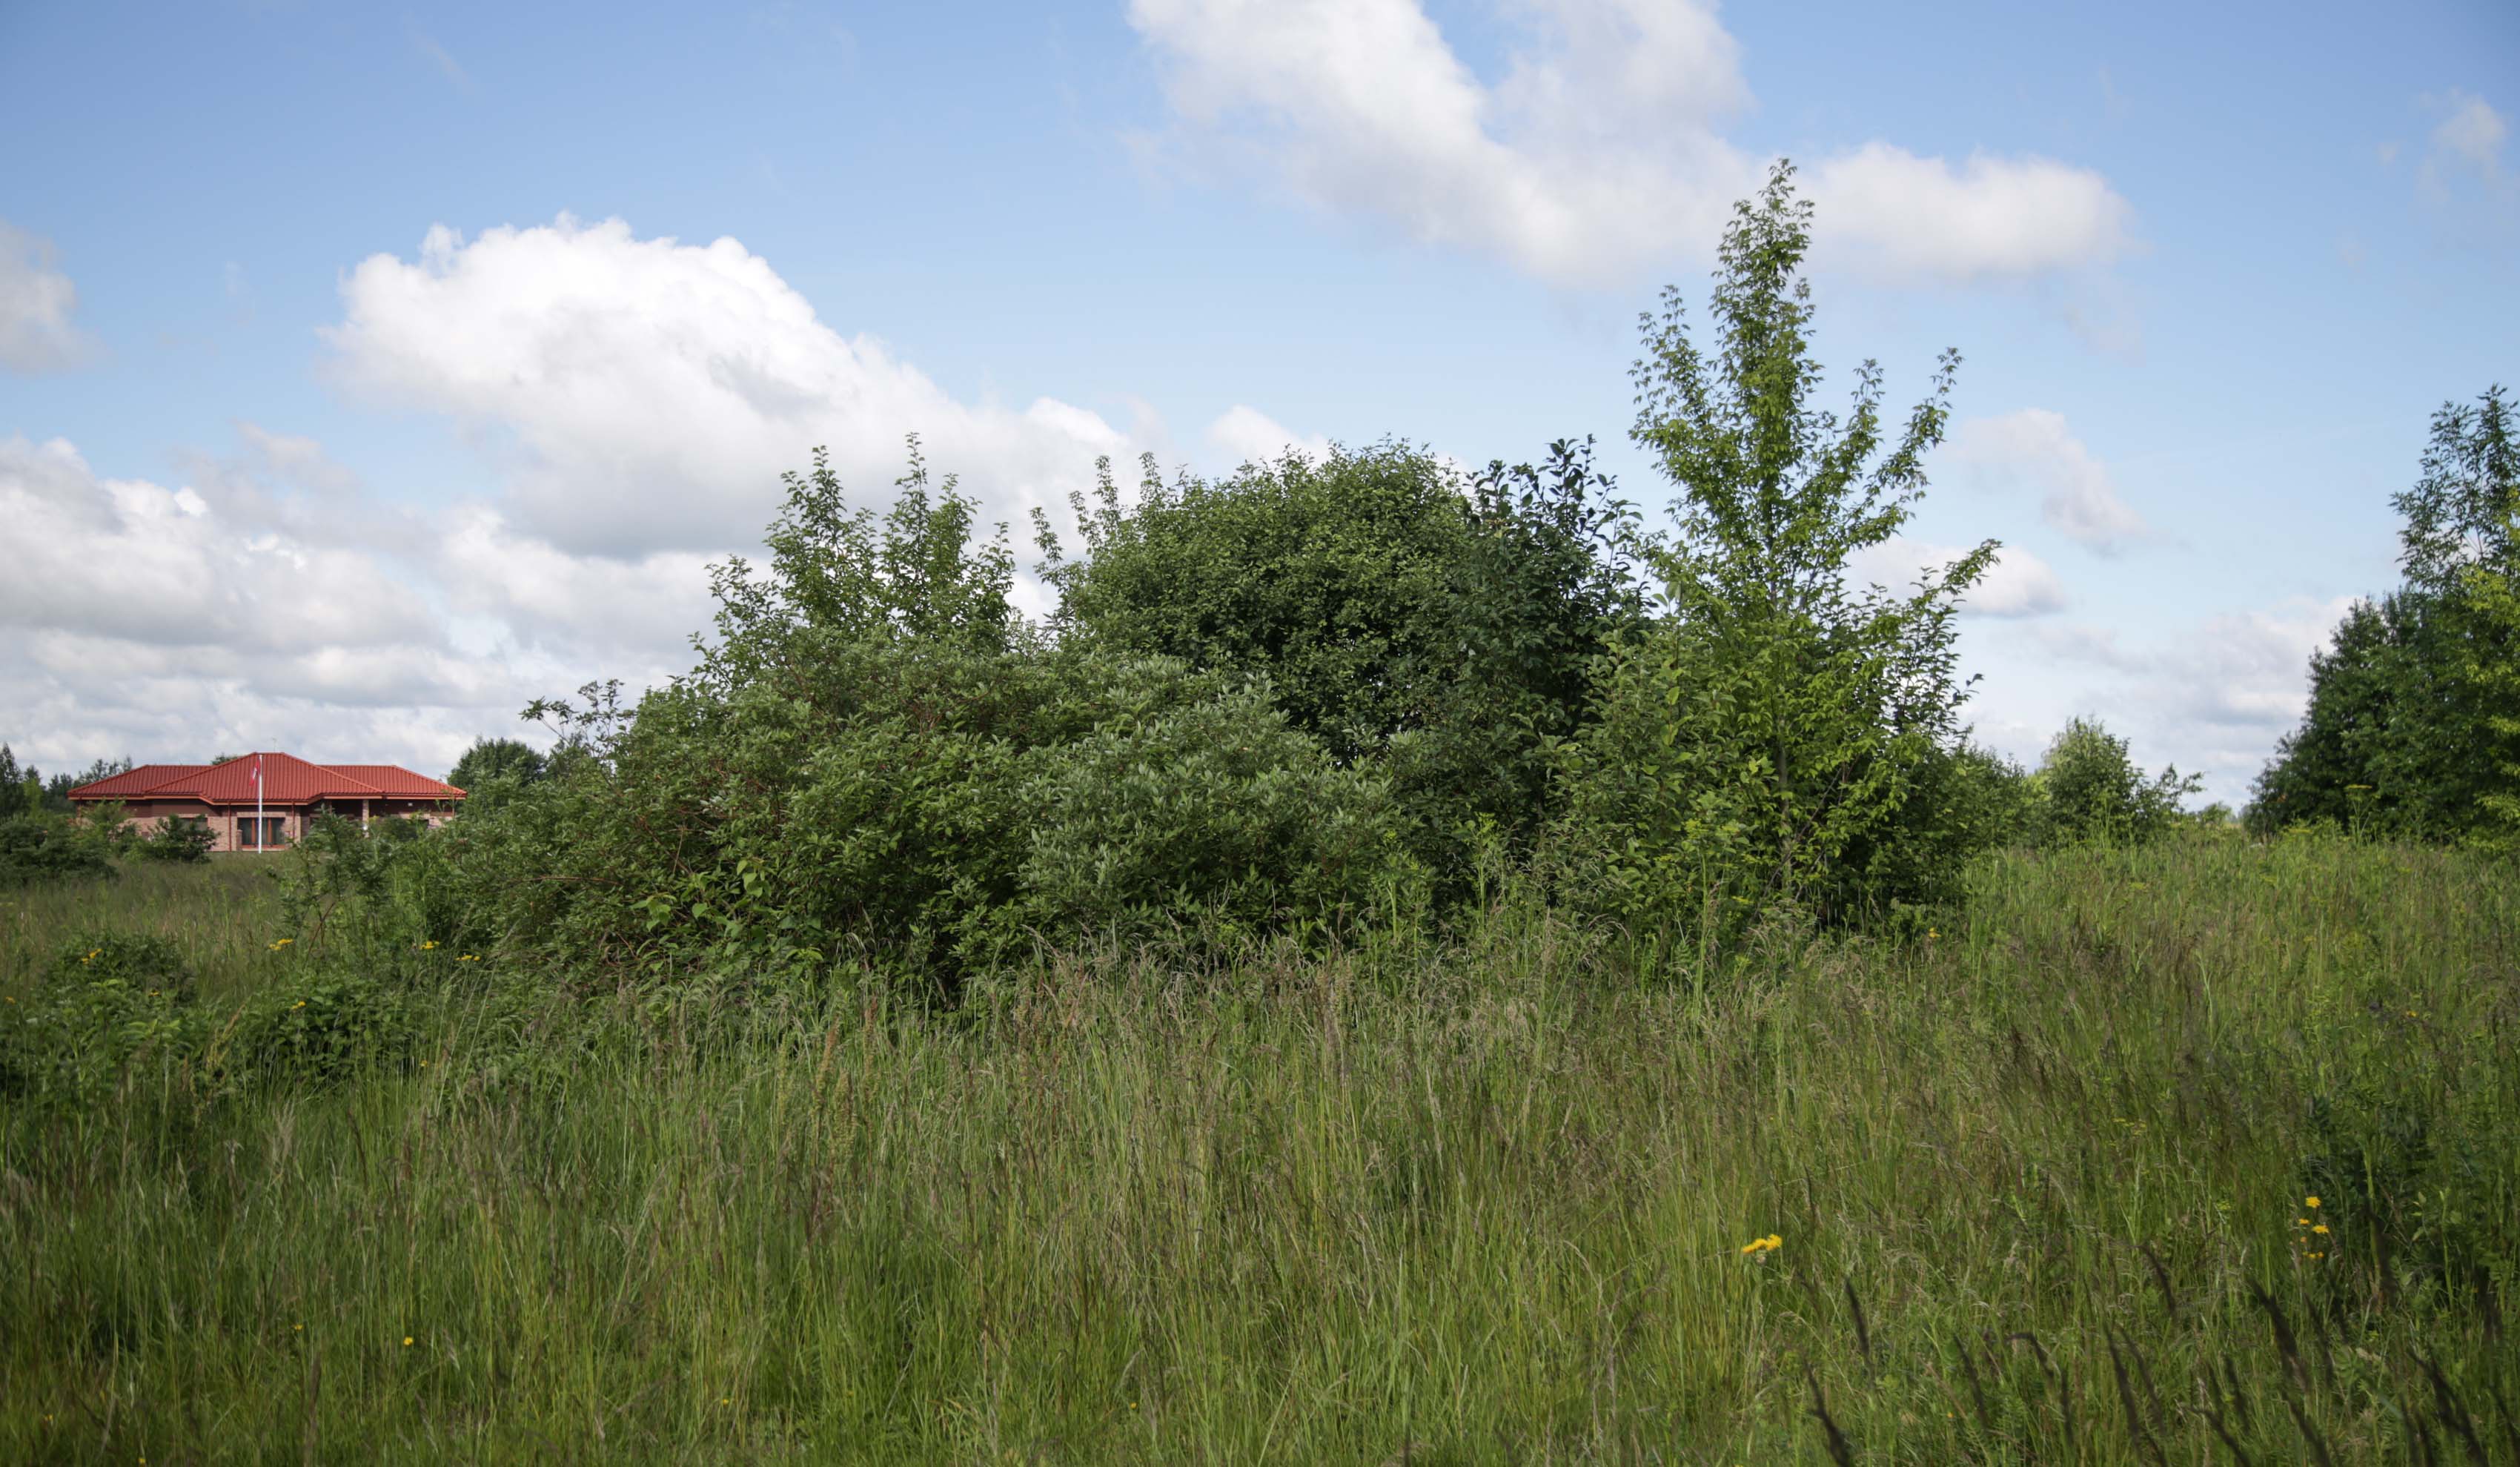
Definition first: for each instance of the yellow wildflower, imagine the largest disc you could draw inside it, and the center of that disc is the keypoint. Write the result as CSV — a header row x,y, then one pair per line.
x,y
470,957
2320,1229
2310,1202
1767,1244
406,1342
425,946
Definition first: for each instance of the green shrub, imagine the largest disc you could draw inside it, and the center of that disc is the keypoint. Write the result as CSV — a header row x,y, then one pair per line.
x,y
877,764
1209,808
1331,579
316,1027
1398,619
2091,789
178,838
36,849
107,1004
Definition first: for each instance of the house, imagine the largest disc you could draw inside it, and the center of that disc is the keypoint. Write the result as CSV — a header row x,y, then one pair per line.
x,y
264,802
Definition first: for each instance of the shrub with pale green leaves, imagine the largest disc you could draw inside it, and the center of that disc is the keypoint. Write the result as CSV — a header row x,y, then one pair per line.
x,y
1780,740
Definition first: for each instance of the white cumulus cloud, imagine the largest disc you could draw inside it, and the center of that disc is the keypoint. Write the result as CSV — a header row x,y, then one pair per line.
x,y
171,624
2034,449
1600,151
645,396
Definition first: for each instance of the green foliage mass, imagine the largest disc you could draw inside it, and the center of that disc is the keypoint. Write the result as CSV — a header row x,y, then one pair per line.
x,y
1306,699
1331,579
2409,727
1444,630
177,838
1776,739
492,769
38,848
107,1003
2089,789
878,762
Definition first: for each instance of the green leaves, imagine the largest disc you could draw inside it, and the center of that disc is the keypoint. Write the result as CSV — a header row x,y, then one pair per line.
x,y
2090,790
1774,739
2401,732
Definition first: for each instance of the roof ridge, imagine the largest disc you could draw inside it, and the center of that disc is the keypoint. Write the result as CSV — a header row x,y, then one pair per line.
x,y
182,771
339,771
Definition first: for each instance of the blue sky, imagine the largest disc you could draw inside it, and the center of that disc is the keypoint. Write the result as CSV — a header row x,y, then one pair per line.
x,y
366,372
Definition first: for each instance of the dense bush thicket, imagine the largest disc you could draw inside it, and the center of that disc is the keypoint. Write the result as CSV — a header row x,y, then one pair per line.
x,y
2410,727
1311,698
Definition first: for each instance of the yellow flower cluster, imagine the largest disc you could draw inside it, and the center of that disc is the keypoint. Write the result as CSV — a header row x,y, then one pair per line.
x,y
1768,1244
282,943
2311,1231
425,946
470,957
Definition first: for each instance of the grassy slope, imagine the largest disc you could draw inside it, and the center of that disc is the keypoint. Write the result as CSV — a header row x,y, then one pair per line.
x,y
1484,1206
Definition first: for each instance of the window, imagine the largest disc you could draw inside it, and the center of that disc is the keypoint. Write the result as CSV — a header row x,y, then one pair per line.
x,y
272,832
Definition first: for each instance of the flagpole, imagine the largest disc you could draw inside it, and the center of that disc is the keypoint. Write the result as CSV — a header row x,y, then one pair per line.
x,y
261,832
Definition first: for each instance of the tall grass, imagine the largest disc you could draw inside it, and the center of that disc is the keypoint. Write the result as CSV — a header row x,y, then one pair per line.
x,y
2037,1179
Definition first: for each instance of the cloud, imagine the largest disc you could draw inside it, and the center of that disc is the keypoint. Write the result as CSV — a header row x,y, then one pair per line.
x,y
2462,175
2019,584
159,622
438,55
645,396
2472,134
296,460
1248,436
1599,152
35,305
2212,697
2032,449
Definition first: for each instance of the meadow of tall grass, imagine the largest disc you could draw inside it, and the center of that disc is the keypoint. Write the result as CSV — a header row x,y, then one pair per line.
x,y
2205,1152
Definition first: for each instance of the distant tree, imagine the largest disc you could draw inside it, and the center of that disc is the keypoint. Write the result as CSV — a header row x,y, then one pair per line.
x,y
2092,789
21,791
1780,737
513,761
2405,729
57,790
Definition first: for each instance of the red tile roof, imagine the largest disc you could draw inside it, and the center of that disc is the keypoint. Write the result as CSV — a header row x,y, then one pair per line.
x,y
131,782
287,779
